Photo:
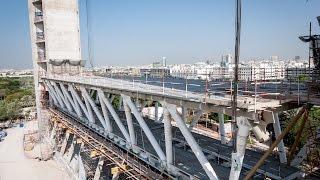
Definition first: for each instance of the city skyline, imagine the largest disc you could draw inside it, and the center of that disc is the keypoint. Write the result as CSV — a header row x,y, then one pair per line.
x,y
184,32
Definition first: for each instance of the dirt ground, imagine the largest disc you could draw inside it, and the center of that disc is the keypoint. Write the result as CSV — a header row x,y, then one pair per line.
x,y
14,165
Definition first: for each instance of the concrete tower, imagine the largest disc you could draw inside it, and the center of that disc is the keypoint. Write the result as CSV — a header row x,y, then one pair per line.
x,y
55,41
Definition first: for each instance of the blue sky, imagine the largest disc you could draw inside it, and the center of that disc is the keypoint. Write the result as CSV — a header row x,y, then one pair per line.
x,y
142,31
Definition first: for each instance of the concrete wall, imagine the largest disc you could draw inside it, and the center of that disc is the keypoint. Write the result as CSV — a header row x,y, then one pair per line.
x,y
62,31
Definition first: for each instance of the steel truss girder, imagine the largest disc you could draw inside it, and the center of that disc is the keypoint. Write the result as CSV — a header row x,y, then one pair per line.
x,y
54,94
191,141
93,106
73,103
62,97
114,115
144,127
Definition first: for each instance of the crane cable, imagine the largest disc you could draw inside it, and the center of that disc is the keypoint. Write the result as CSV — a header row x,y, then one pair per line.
x,y
89,39
236,78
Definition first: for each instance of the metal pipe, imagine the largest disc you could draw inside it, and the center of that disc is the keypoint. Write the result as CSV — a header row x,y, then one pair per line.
x,y
275,143
145,127
191,141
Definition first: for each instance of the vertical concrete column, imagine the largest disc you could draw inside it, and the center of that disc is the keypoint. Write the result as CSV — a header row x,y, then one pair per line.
x,y
64,143
120,103
277,131
242,136
71,149
97,173
130,123
222,132
156,111
168,137
184,112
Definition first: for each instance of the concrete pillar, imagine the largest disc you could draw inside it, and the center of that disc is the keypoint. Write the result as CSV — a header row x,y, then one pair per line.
x,y
130,124
97,173
168,137
64,143
184,112
222,132
71,150
237,158
277,131
120,103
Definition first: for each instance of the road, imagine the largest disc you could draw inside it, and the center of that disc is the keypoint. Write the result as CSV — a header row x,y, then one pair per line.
x,y
15,166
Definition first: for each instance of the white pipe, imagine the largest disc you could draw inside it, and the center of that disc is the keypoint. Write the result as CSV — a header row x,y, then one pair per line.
x,y
237,158
191,141
144,127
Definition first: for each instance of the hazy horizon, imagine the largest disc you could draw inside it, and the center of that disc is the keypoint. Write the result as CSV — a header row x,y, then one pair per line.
x,y
184,31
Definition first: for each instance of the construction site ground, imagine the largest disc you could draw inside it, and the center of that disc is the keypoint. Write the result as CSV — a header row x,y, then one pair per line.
x,y
15,165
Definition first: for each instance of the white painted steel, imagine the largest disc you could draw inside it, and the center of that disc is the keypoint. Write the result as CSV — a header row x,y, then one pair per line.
x,y
191,141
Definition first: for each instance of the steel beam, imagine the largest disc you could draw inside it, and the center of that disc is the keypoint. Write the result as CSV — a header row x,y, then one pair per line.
x,y
191,141
80,103
130,123
89,109
105,114
114,115
64,100
277,131
94,107
145,127
71,101
53,92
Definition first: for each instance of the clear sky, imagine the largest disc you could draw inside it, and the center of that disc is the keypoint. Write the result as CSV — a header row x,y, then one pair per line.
x,y
137,32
